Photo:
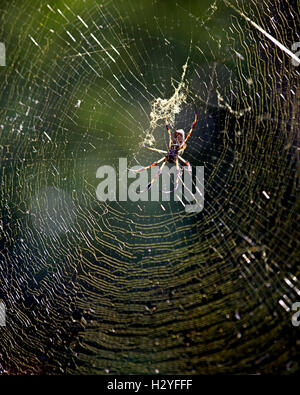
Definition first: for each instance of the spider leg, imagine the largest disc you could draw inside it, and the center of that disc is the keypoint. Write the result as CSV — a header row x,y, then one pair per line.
x,y
156,150
155,177
148,167
186,163
169,131
192,128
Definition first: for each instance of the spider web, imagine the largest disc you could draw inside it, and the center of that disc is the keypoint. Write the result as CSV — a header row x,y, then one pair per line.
x,y
144,287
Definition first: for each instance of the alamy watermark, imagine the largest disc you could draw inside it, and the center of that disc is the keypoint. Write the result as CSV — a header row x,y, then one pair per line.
x,y
2,314
295,47
2,54
296,316
184,189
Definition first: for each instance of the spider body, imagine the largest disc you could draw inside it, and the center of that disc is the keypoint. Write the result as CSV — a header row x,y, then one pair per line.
x,y
177,145
176,148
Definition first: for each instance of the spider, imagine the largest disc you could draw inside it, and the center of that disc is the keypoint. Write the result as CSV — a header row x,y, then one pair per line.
x,y
177,145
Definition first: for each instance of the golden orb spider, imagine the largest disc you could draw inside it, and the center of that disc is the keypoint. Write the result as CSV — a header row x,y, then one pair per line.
x,y
177,145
